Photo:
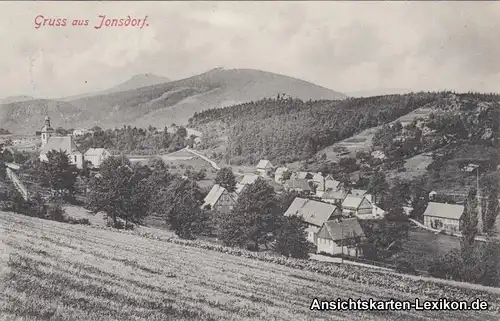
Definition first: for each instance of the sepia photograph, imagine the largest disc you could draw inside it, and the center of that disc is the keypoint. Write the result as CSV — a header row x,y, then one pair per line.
x,y
249,160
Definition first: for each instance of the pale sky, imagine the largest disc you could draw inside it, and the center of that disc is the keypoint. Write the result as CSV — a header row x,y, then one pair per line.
x,y
344,46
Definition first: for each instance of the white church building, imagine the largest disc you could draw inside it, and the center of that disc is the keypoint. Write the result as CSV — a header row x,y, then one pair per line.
x,y
59,143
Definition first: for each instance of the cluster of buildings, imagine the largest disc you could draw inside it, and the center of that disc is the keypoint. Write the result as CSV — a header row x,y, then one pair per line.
x,y
333,216
95,156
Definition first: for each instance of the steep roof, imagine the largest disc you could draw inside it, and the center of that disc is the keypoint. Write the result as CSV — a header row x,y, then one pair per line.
x,y
301,175
358,192
352,202
263,164
318,177
331,184
215,193
95,151
312,212
347,228
338,194
451,211
301,184
249,179
64,143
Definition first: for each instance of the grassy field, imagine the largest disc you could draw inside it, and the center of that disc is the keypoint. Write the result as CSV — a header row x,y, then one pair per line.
x,y
55,271
426,246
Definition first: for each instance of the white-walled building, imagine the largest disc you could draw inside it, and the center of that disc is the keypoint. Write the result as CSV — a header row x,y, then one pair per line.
x,y
62,143
96,156
443,216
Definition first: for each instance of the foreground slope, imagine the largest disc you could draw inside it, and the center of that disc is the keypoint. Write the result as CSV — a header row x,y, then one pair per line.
x,y
166,103
64,272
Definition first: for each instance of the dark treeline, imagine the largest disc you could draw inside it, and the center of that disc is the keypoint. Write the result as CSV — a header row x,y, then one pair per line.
x,y
286,130
135,140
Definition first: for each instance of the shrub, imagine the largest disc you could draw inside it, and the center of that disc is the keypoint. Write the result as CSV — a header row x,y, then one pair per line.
x,y
56,212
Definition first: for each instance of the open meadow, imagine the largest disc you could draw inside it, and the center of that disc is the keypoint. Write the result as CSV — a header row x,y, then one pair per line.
x,y
56,271
425,246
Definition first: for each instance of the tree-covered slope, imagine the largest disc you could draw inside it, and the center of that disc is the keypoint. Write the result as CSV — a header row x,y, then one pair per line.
x,y
287,130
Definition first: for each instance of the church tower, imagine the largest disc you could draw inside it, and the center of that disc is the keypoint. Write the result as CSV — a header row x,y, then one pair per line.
x,y
46,131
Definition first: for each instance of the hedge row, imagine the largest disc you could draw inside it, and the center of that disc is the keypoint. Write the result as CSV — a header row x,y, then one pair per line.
x,y
421,288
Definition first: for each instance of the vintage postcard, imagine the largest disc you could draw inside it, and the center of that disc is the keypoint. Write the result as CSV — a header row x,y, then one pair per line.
x,y
293,160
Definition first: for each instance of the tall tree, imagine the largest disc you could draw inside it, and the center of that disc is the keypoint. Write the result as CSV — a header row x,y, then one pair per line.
x,y
489,203
254,217
226,179
58,173
469,224
291,238
180,203
378,187
120,190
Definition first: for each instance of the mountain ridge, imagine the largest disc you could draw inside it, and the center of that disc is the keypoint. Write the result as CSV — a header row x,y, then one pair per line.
x,y
162,104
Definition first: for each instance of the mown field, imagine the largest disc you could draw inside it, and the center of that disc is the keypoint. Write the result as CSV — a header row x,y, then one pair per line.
x,y
55,271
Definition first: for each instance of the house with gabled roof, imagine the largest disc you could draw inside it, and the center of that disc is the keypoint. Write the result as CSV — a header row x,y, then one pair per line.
x,y
332,184
248,179
335,196
442,216
358,206
244,181
96,156
341,236
314,213
298,185
220,200
321,182
361,192
302,175
264,167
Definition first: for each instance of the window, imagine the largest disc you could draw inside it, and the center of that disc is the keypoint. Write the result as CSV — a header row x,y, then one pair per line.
x,y
75,157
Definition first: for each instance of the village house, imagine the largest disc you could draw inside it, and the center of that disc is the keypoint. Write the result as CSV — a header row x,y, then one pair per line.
x,y
302,175
314,213
340,237
80,132
332,185
321,182
245,180
443,216
298,185
358,206
278,174
264,168
96,156
335,197
220,200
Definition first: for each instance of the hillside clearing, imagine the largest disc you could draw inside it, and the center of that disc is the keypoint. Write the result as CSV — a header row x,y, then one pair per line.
x,y
64,272
363,140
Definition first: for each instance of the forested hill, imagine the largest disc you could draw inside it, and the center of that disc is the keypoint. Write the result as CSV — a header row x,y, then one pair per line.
x,y
287,130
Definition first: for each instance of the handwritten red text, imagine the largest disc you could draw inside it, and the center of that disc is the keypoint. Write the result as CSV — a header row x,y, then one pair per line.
x,y
102,22
127,22
42,21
